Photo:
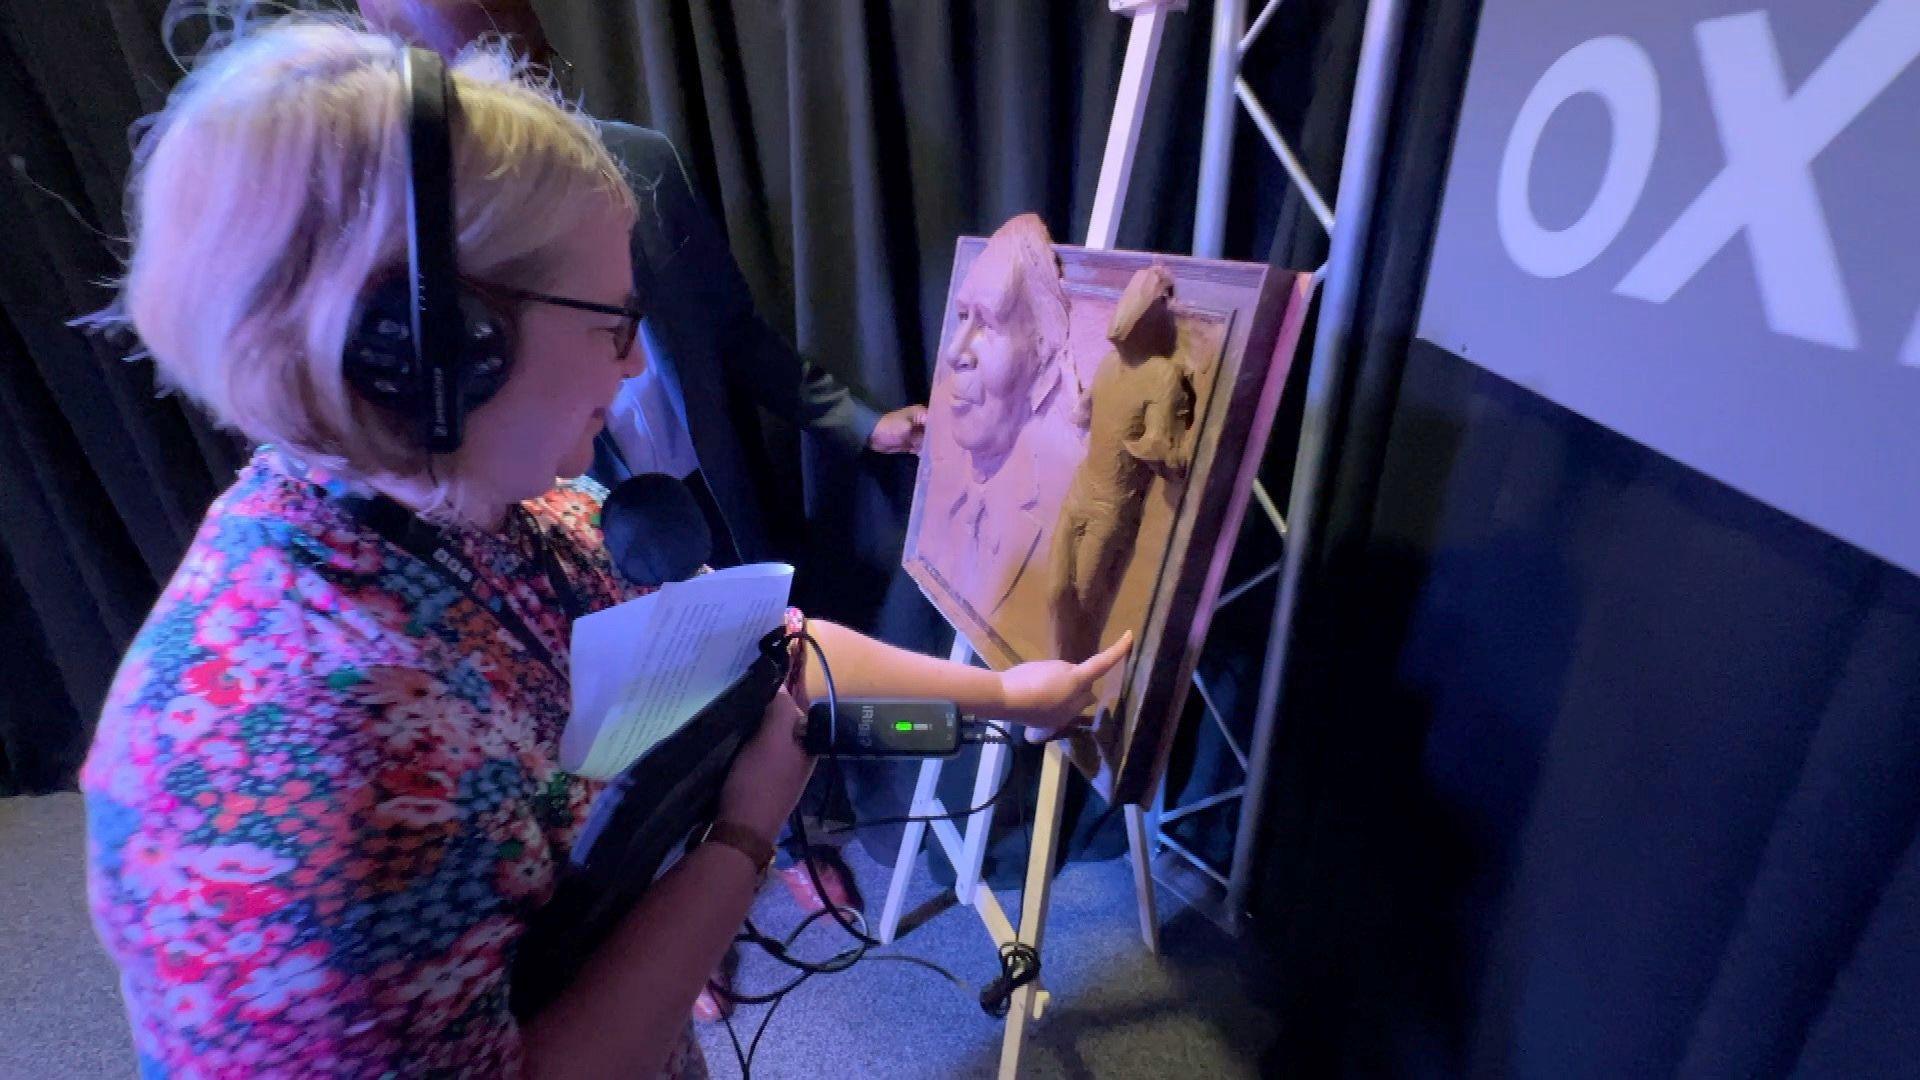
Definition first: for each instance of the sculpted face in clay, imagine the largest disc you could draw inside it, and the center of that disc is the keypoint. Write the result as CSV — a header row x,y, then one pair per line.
x,y
1007,352
1002,366
1139,418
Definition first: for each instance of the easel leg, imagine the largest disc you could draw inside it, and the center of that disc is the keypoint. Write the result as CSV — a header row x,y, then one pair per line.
x,y
1123,133
1140,853
973,851
927,804
1123,138
911,838
1029,1000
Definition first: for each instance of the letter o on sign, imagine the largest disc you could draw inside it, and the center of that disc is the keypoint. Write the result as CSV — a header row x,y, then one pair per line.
x,y
1620,73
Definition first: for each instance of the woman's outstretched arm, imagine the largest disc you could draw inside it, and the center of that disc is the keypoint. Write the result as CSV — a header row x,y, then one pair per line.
x,y
1045,693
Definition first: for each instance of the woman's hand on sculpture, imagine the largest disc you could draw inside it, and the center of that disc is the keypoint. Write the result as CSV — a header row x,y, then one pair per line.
x,y
1052,694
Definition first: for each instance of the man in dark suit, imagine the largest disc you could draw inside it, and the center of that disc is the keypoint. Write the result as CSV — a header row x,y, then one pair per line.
x,y
705,343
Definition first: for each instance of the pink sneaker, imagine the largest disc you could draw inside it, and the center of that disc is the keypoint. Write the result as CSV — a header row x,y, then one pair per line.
x,y
800,884
711,1007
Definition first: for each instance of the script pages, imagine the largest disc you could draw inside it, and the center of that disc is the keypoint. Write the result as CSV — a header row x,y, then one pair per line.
x,y
642,669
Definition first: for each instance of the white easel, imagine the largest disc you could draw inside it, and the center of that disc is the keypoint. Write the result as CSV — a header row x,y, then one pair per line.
x,y
967,851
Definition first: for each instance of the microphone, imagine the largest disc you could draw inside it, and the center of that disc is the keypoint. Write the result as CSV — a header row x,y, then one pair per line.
x,y
654,530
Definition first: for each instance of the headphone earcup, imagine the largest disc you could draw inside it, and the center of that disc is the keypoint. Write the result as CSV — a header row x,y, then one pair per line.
x,y
381,361
383,366
486,350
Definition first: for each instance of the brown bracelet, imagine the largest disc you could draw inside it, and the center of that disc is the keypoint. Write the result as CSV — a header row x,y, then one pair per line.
x,y
743,840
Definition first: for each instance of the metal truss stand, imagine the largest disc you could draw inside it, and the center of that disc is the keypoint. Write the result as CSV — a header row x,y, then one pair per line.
x,y
1221,893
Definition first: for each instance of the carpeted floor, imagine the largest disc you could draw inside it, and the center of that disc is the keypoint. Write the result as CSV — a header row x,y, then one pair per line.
x,y
1117,1012
60,1009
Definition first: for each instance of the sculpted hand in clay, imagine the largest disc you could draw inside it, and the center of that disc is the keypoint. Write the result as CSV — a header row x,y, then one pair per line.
x,y
1139,413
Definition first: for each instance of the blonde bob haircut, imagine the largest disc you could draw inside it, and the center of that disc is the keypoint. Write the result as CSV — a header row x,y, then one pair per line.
x,y
271,191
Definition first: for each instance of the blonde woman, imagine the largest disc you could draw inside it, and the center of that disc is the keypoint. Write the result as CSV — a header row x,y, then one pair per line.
x,y
323,796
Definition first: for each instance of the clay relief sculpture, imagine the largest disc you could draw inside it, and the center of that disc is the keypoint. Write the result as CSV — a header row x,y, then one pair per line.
x,y
1093,425
1138,414
1004,365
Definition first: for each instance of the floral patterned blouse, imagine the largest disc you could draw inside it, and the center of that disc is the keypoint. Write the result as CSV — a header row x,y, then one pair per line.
x,y
324,794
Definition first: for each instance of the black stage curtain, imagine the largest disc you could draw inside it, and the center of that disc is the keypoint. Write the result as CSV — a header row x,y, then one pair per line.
x,y
101,482
844,145
1592,766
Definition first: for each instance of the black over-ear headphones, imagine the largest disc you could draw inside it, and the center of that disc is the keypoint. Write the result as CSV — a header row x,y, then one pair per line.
x,y
427,345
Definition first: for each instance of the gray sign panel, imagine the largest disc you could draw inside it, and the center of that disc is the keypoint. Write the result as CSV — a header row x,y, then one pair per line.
x,y
1699,224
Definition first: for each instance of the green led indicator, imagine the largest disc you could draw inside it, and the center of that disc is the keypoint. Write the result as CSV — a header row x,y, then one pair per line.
x,y
903,725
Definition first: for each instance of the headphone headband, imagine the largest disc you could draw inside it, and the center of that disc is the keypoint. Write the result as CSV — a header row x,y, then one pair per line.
x,y
431,263
427,346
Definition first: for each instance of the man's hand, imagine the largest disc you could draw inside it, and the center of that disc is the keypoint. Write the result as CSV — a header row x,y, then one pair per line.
x,y
900,431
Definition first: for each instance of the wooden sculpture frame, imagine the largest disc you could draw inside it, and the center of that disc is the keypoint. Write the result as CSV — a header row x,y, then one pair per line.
x,y
1238,325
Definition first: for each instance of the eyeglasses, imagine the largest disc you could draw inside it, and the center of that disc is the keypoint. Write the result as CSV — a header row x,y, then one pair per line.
x,y
630,312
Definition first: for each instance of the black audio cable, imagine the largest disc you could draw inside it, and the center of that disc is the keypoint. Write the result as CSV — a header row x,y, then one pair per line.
x,y
1019,962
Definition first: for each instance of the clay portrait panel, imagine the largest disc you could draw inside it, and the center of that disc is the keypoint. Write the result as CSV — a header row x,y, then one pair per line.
x,y
1002,391
1085,454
